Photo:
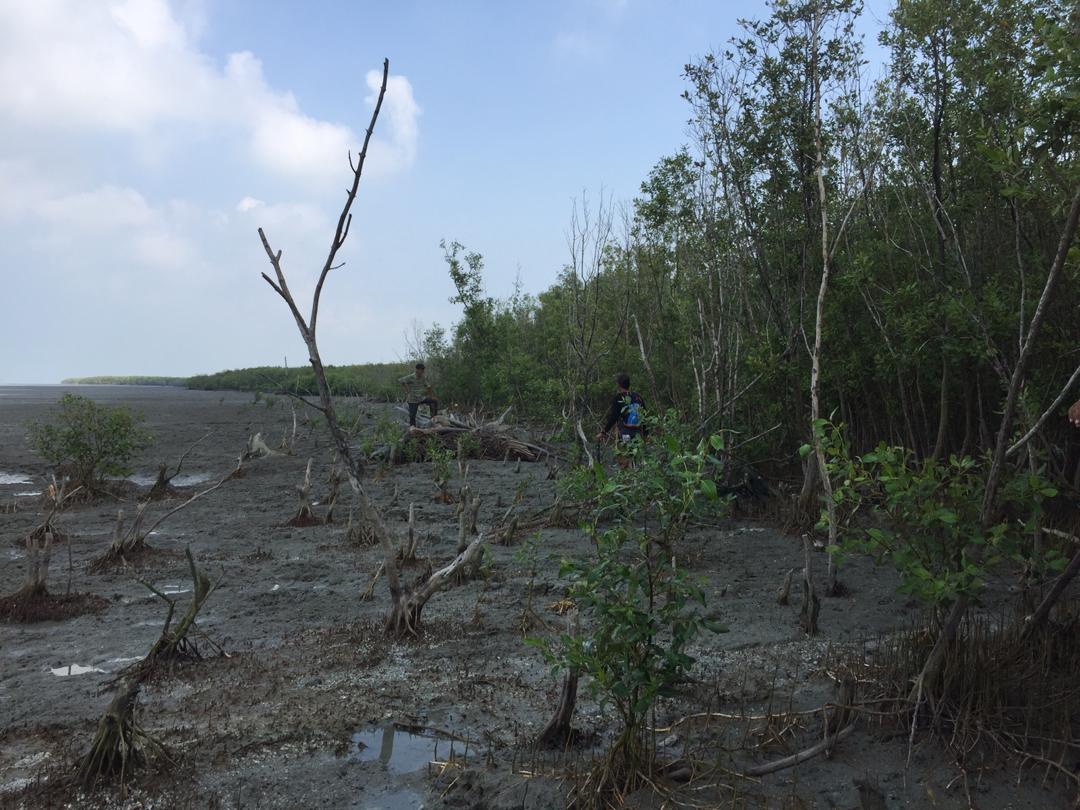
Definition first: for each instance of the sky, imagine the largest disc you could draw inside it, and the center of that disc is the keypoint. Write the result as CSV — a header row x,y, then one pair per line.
x,y
143,142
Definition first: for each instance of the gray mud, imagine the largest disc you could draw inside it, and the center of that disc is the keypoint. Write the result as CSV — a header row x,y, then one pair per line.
x,y
314,708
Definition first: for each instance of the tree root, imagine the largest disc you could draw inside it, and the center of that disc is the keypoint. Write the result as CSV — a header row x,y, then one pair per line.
x,y
120,746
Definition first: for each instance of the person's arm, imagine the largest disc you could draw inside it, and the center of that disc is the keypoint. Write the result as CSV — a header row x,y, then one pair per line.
x,y
612,416
1074,414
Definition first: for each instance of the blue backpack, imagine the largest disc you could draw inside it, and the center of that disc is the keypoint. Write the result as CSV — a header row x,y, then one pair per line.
x,y
632,409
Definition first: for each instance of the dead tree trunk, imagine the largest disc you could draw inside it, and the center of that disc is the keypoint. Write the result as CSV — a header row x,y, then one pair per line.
x,y
119,746
305,515
163,487
407,603
811,605
559,731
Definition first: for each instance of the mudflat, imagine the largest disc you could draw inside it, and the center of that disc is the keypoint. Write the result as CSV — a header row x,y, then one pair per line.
x,y
311,706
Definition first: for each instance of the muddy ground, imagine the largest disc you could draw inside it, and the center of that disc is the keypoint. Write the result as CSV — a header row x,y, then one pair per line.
x,y
312,707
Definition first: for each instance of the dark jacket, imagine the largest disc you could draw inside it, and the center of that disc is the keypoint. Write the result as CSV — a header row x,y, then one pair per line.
x,y
626,411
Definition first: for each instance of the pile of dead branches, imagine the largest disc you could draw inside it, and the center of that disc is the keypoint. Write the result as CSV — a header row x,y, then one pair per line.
x,y
487,439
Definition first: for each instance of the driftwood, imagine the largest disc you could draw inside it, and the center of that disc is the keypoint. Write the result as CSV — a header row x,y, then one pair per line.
x,y
491,439
257,447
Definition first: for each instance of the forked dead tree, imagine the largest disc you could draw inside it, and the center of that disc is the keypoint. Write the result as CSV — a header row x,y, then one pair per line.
x,y
177,642
163,487
407,602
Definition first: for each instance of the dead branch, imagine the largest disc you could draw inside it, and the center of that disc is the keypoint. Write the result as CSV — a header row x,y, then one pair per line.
x,y
175,643
162,487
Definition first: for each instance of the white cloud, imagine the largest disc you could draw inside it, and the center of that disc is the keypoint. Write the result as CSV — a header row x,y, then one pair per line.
x,y
399,151
132,68
103,208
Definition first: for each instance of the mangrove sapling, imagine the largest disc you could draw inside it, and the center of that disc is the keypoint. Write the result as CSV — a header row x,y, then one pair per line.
x,y
407,602
642,616
177,642
163,487
91,440
120,745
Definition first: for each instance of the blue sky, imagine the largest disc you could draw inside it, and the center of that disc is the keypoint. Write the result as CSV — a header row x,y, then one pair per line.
x,y
143,141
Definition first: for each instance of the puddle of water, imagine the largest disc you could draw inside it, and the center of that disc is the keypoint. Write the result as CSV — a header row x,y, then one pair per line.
x,y
172,590
29,493
74,669
10,478
182,480
398,750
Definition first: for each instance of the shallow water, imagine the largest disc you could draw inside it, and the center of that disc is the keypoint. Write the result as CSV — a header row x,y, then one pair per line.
x,y
74,669
12,478
182,480
398,750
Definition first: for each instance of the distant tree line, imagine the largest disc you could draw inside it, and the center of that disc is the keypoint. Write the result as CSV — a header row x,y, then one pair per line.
x,y
374,380
126,380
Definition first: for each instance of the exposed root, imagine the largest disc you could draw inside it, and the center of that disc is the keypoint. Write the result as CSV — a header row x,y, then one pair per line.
x,y
120,746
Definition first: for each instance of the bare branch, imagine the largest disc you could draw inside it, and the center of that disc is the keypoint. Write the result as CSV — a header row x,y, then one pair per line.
x,y
345,220
1046,414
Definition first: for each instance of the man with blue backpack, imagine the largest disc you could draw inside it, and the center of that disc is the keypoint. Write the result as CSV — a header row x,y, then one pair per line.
x,y
627,411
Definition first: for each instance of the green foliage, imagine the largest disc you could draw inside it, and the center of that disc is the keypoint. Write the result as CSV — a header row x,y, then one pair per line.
x,y
642,610
925,517
440,457
670,481
643,614
92,440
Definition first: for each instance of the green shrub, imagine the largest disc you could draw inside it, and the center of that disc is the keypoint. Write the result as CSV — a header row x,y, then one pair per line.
x,y
924,517
89,439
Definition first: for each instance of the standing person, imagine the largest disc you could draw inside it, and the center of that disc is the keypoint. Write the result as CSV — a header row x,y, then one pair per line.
x,y
626,411
418,392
